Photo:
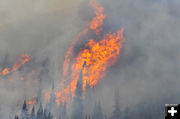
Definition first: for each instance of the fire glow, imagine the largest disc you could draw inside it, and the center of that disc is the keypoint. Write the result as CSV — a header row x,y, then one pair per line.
x,y
98,56
24,58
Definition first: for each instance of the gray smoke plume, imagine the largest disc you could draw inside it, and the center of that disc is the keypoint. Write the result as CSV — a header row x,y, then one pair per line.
x,y
147,69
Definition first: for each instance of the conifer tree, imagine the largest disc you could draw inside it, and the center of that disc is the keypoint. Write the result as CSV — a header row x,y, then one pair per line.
x,y
64,113
51,103
116,112
50,115
16,117
24,111
45,114
89,117
60,109
77,105
40,112
86,117
126,113
97,112
33,113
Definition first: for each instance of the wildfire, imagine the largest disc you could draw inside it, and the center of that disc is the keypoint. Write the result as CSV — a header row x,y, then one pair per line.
x,y
5,71
47,95
99,55
21,61
32,100
97,21
94,24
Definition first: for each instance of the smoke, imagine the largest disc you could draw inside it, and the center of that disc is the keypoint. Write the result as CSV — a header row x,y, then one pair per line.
x,y
147,68
42,31
148,65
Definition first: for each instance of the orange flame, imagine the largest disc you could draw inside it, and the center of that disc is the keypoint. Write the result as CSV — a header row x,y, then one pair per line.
x,y
94,24
5,71
98,56
32,101
47,95
22,60
97,21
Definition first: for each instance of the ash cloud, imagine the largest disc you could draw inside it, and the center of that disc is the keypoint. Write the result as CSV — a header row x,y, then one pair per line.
x,y
147,69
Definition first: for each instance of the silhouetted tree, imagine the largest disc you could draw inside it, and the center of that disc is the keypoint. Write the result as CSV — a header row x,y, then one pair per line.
x,y
116,112
24,111
40,112
45,113
86,117
64,113
126,114
33,113
50,116
77,105
60,110
16,117
51,103
97,112
89,117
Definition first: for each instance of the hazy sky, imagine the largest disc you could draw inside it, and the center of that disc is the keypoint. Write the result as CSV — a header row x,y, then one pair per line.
x,y
148,67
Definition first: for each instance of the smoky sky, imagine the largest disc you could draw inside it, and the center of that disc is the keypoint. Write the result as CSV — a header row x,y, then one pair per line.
x,y
148,66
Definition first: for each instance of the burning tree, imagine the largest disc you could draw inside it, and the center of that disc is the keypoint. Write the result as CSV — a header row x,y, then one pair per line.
x,y
77,106
99,54
64,113
88,67
41,113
